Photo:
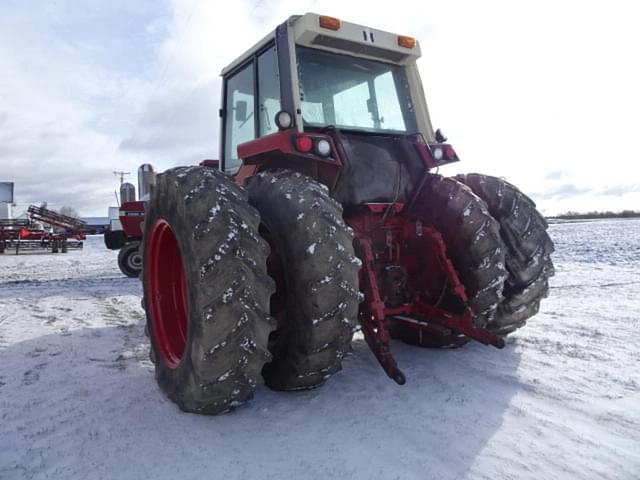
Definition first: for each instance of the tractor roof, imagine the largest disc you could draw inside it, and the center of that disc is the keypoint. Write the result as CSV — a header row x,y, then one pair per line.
x,y
328,33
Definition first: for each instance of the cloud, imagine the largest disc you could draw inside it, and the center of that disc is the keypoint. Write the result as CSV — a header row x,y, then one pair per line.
x,y
109,85
570,190
620,190
66,98
562,191
176,126
558,175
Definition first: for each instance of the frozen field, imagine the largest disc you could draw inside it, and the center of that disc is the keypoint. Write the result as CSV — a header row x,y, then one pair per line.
x,y
78,399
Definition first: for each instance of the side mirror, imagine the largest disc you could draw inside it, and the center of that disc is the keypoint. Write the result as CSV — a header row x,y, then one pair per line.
x,y
241,111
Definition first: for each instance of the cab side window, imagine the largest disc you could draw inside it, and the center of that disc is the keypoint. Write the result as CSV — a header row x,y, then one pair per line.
x,y
268,91
240,125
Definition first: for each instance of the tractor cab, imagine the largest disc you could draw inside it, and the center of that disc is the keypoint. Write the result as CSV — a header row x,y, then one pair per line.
x,y
338,101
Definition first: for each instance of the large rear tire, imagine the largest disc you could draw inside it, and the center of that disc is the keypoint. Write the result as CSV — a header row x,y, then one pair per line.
x,y
206,290
528,249
474,246
130,260
316,303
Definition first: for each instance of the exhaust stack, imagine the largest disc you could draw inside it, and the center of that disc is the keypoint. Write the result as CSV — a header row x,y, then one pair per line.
x,y
146,178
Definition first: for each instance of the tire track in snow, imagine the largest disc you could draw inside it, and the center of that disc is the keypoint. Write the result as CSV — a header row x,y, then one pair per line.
x,y
129,323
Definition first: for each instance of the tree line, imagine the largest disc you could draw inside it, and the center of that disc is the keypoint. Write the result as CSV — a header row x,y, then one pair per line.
x,y
595,215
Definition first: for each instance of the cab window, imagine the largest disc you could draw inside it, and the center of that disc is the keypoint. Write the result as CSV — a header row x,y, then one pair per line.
x,y
268,91
244,101
240,125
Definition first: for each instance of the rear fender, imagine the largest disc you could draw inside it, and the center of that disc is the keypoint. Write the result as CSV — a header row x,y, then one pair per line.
x,y
278,150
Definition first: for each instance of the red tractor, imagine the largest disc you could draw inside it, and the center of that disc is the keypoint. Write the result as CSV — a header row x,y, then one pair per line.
x,y
323,216
125,227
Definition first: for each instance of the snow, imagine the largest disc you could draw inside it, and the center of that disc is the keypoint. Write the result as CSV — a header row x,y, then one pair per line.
x,y
78,399
226,296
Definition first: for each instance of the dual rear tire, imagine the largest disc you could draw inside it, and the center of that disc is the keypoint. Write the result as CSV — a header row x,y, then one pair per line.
x,y
499,245
206,290
316,272
208,293
527,248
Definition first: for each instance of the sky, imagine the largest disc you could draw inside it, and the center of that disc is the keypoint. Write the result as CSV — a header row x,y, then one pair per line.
x,y
544,93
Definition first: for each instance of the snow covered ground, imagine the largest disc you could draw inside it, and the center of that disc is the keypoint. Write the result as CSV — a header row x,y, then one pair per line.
x,y
78,399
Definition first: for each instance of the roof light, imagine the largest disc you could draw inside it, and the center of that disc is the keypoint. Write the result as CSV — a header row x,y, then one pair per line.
x,y
406,42
330,23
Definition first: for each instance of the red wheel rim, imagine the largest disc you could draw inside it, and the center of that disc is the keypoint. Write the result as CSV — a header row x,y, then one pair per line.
x,y
167,294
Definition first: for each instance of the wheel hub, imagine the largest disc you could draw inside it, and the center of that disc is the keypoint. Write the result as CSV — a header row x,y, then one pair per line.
x,y
167,294
135,260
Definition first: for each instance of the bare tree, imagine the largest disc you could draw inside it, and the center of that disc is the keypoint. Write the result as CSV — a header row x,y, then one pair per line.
x,y
69,212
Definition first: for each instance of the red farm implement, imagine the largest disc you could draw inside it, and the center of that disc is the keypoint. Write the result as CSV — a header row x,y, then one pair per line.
x,y
43,231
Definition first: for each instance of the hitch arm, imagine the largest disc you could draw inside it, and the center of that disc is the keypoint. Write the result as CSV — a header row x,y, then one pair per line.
x,y
372,316
462,324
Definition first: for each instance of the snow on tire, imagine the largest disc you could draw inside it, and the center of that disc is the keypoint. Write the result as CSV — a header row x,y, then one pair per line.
x,y
206,290
528,249
319,273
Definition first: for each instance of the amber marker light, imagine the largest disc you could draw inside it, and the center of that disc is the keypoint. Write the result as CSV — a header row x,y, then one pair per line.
x,y
406,42
330,23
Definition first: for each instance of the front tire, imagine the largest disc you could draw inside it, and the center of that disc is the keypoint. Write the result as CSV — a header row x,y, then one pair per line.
x,y
206,290
130,260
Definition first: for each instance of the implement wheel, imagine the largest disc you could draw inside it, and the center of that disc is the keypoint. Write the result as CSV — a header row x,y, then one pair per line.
x,y
206,290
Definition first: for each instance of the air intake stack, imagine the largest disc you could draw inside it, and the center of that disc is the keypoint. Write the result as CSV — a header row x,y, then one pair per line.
x,y
127,192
